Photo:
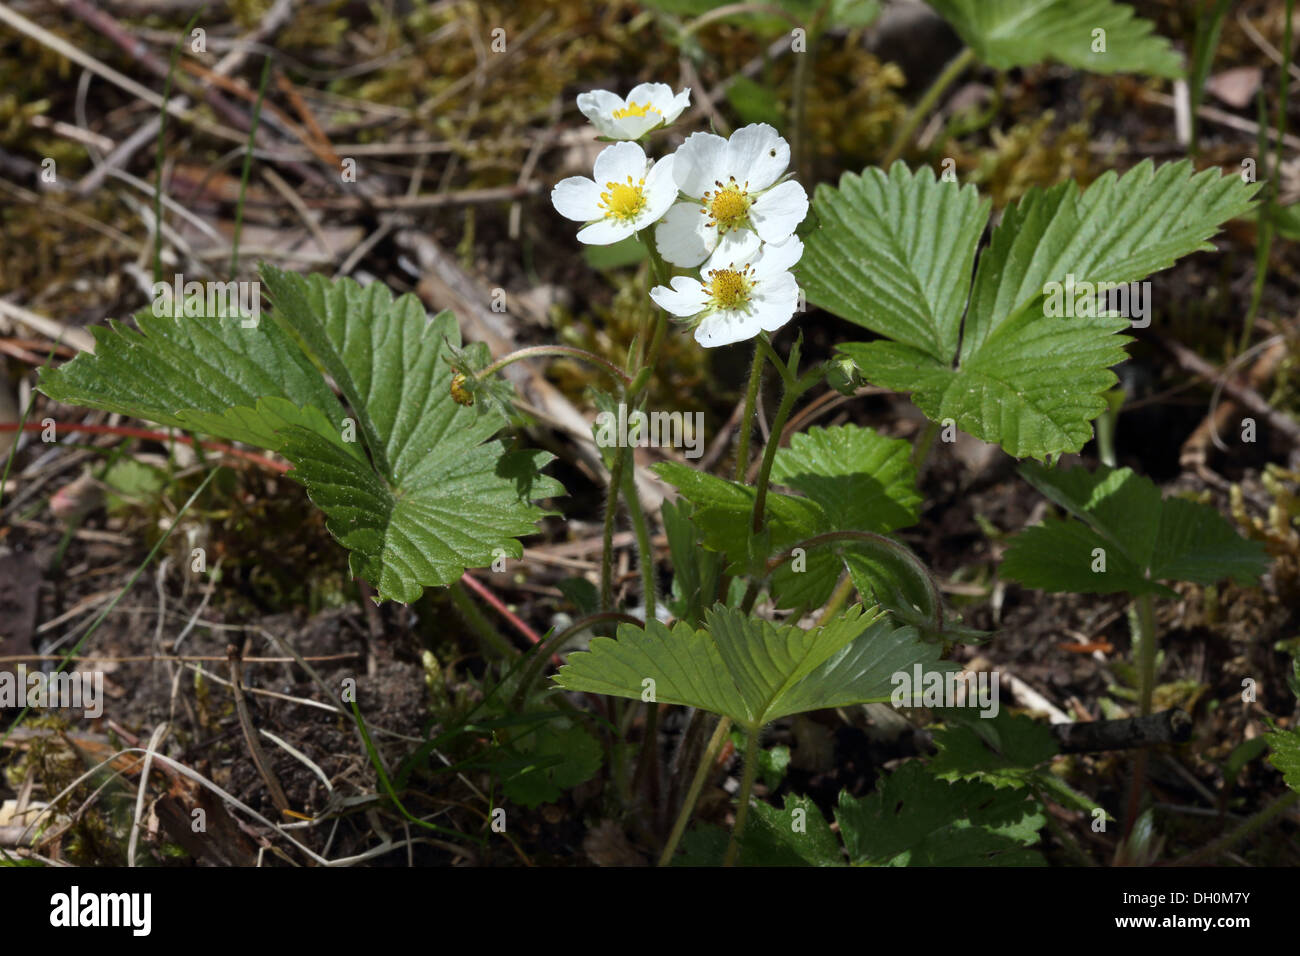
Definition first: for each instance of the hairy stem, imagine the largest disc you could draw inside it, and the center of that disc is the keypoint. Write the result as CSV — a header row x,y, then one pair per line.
x,y
611,514
556,351
769,455
747,419
697,784
644,553
746,789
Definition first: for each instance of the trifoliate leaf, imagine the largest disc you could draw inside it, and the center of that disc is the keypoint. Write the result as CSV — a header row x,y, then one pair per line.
x,y
751,670
1123,537
1096,35
914,819
893,254
432,496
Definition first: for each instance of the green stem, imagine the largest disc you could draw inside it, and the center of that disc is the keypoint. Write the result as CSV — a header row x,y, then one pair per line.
x,y
697,784
747,418
924,442
769,455
479,623
802,72
746,788
611,513
248,162
926,103
642,531
839,597
556,351
554,644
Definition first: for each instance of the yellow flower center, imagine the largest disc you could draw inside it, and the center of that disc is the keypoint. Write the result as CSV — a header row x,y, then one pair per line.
x,y
729,288
623,201
728,206
635,109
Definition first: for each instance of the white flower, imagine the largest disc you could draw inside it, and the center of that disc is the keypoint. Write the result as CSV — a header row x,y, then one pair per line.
x,y
734,184
748,288
648,105
627,194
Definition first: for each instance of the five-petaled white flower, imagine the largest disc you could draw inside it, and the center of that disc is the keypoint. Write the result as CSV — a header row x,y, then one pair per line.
x,y
734,184
747,288
647,106
627,195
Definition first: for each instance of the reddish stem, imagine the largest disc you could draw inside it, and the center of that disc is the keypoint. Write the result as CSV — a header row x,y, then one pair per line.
x,y
473,584
148,435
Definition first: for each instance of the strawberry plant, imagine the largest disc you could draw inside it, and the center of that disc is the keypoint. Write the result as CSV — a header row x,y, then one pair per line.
x,y
793,580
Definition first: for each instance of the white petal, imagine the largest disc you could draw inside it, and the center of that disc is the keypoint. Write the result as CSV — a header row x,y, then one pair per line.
x,y
616,163
724,328
656,94
577,198
778,212
682,238
634,127
774,302
734,249
699,163
685,298
676,105
660,192
598,104
605,231
778,257
757,154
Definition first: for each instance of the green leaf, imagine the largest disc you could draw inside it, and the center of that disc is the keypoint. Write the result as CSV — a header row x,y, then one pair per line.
x,y
563,754
1002,751
1010,33
862,480
914,819
1123,537
1286,756
695,570
751,670
438,497
797,835
851,479
425,497
894,254
203,372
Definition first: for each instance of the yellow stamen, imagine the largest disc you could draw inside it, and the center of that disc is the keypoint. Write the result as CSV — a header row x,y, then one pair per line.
x,y
728,206
729,288
623,201
635,109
